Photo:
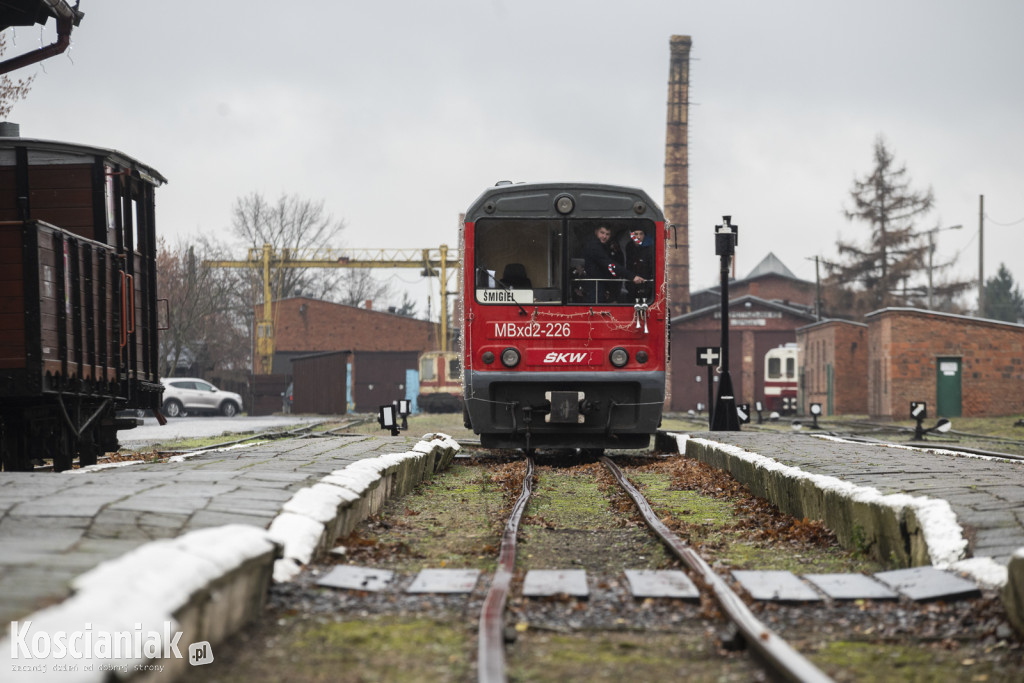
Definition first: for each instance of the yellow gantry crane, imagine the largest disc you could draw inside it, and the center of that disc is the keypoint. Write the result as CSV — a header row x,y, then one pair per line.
x,y
434,262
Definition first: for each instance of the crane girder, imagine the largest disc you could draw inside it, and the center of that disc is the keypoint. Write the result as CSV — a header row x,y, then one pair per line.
x,y
434,262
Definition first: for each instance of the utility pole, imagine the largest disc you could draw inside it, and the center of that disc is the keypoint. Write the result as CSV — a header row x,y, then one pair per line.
x,y
434,262
981,256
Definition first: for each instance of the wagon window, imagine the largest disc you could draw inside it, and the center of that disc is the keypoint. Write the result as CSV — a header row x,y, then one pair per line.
x,y
774,368
518,261
427,368
454,369
791,368
605,257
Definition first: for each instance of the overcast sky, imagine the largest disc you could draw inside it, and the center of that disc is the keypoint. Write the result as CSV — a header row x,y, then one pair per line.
x,y
398,114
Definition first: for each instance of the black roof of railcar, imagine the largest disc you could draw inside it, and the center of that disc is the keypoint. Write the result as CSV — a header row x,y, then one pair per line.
x,y
591,200
86,152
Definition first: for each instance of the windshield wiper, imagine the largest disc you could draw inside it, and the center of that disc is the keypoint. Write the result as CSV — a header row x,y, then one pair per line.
x,y
522,311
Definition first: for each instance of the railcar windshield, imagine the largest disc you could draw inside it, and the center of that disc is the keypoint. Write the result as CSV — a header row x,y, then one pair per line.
x,y
563,261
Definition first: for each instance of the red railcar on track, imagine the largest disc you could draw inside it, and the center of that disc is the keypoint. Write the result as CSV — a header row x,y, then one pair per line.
x,y
565,318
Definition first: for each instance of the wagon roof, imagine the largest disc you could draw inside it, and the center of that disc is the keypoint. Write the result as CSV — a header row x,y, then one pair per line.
x,y
72,149
538,199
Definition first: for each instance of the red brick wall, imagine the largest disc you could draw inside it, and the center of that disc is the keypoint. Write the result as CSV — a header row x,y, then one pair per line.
x,y
772,287
906,343
843,346
310,325
748,343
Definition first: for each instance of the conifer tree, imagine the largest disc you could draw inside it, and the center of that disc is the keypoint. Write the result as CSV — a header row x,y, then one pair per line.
x,y
1003,300
880,273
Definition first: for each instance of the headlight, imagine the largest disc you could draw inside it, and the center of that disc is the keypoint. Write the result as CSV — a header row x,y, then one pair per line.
x,y
488,357
641,357
510,357
618,357
564,204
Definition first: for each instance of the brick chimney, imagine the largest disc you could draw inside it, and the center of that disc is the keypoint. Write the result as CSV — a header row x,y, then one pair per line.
x,y
369,304
677,174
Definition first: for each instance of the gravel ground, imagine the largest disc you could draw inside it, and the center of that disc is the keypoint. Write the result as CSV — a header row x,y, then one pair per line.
x,y
610,635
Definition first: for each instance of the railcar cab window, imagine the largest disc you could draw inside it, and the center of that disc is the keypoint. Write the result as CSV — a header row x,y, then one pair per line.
x,y
554,261
775,368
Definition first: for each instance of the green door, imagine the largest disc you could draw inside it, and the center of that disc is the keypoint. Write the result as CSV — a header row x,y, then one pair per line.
x,y
947,387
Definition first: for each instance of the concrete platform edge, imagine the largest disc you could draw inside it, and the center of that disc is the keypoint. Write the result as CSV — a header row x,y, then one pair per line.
x,y
206,584
898,529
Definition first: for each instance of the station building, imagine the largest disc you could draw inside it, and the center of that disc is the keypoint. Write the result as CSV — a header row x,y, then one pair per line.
x,y
755,326
834,361
765,309
959,366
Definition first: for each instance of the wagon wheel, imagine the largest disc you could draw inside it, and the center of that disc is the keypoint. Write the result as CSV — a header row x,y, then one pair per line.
x,y
14,441
89,449
60,445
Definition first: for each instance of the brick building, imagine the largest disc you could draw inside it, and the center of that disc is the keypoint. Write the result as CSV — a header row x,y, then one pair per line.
x,y
834,361
303,326
958,365
755,326
770,280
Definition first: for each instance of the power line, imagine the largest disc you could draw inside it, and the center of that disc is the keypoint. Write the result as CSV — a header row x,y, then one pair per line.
x,y
1003,225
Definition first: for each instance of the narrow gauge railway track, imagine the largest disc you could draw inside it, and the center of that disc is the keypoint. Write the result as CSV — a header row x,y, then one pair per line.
x,y
779,657
870,432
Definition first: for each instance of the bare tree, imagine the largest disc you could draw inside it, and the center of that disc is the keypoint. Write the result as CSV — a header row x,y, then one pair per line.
x,y
359,286
206,331
11,90
295,224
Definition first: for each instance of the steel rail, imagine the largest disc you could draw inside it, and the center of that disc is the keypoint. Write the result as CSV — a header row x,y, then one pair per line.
x,y
490,657
776,652
928,446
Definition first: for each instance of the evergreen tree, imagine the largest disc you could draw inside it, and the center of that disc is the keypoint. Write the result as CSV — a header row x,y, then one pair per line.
x,y
1003,299
885,271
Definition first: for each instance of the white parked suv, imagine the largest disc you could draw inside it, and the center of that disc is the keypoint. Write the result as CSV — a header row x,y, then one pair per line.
x,y
184,395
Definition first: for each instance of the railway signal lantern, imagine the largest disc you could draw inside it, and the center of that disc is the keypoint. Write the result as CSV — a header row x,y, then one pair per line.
x,y
815,412
725,418
743,413
386,418
405,409
919,411
759,408
709,356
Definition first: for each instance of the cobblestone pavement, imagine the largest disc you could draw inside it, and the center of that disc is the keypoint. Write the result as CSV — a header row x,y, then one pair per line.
x,y
54,527
986,495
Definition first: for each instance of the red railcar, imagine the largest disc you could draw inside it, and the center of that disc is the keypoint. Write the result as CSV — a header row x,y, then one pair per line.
x,y
780,379
565,318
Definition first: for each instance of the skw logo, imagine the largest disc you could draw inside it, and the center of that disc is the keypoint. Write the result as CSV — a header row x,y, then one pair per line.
x,y
570,358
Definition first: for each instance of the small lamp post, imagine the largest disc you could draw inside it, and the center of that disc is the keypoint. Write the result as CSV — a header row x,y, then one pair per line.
x,y
725,418
405,409
815,412
387,420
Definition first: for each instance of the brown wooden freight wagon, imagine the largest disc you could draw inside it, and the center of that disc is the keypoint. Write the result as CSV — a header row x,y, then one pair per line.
x,y
78,304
